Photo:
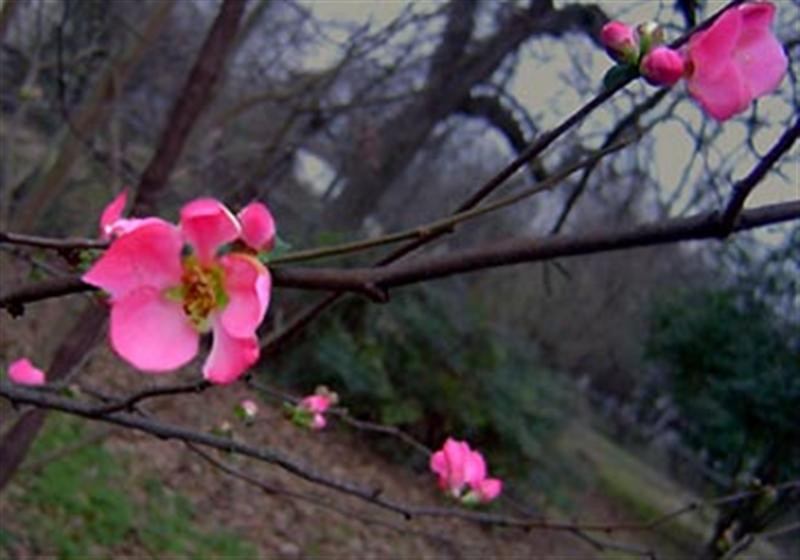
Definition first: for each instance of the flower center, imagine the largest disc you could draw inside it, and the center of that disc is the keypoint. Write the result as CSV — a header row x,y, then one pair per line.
x,y
202,290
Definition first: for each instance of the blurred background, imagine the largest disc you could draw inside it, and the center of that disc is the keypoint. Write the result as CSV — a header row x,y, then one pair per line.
x,y
615,387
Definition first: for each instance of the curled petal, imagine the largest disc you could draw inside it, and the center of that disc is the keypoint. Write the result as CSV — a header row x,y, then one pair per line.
x,y
207,224
230,356
258,226
439,466
151,332
247,283
147,256
23,372
112,213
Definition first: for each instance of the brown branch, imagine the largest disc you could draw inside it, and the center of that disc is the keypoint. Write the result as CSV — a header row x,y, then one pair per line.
x,y
306,316
190,102
23,395
12,238
743,188
504,253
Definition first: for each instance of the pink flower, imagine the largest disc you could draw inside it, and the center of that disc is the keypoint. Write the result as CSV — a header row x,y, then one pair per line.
x,y
162,301
258,227
24,372
316,405
736,60
662,66
460,468
621,41
249,408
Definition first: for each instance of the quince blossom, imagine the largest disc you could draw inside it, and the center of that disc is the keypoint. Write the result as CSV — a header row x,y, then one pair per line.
x,y
162,301
621,41
662,66
316,405
23,372
462,473
735,60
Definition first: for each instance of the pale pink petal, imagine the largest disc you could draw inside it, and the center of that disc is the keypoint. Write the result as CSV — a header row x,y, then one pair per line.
x,y
112,213
711,50
247,283
759,55
230,356
24,372
148,256
151,332
488,489
723,95
318,422
258,226
207,224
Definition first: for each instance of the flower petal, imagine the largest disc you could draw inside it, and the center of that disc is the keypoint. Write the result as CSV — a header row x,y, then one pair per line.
x,y
247,283
151,332
207,224
474,468
23,372
439,465
318,422
489,489
230,356
759,55
723,95
316,403
112,213
147,256
711,50
258,226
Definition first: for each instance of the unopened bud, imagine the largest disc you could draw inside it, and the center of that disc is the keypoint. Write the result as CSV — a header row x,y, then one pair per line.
x,y
621,42
662,66
651,34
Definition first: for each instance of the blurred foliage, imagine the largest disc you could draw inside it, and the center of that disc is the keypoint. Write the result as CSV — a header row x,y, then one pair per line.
x,y
83,504
734,367
430,363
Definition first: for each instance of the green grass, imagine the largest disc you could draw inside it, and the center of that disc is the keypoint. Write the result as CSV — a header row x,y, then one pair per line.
x,y
85,504
643,491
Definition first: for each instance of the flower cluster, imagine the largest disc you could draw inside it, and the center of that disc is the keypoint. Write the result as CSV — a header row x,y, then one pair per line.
x,y
163,300
462,473
736,60
309,412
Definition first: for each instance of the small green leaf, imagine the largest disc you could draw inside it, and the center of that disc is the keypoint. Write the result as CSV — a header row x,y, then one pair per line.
x,y
618,75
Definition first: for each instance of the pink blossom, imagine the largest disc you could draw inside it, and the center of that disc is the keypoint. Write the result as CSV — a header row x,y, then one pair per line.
x,y
662,66
735,60
258,227
621,41
24,372
316,405
460,468
162,301
249,408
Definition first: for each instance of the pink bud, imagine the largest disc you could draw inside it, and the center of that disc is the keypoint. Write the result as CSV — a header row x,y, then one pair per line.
x,y
24,372
258,227
662,66
249,408
621,41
